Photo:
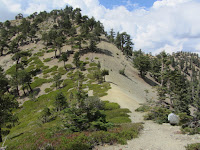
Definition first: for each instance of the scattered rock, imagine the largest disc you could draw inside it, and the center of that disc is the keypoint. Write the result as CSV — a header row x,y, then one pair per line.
x,y
173,119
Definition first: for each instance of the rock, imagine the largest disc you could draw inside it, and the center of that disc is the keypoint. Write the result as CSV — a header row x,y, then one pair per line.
x,y
173,119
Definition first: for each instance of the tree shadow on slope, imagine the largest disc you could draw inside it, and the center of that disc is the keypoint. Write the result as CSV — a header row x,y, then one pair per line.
x,y
149,81
98,51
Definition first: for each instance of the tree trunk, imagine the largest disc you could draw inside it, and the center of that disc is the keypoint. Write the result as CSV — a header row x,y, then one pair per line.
x,y
55,53
30,87
24,91
0,136
17,88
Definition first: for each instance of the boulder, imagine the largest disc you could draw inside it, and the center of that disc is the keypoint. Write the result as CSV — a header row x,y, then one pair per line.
x,y
173,119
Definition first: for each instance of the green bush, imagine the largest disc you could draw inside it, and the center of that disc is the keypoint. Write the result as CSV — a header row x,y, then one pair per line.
x,y
38,82
50,50
93,64
122,72
47,60
184,118
62,71
53,69
11,70
111,106
47,90
158,114
68,66
143,108
195,146
39,54
118,116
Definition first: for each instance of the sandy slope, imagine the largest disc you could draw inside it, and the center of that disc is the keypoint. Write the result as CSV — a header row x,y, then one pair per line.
x,y
153,136
129,93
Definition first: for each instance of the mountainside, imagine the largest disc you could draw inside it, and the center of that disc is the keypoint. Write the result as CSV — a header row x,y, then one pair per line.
x,y
67,84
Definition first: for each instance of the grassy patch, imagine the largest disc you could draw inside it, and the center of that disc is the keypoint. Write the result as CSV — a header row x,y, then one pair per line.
x,y
47,90
39,54
50,50
38,82
62,71
11,70
93,64
47,60
53,69
111,106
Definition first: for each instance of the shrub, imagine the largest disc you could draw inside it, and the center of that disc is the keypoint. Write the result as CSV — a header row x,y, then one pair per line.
x,y
93,64
47,90
158,114
47,60
53,69
11,70
195,146
111,106
50,50
143,108
184,118
39,54
122,72
38,82
118,116
68,66
62,71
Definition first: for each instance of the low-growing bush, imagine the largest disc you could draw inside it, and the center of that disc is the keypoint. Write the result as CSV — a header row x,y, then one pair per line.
x,y
158,114
110,106
47,90
68,66
47,60
122,72
62,71
195,146
143,108
53,69
38,82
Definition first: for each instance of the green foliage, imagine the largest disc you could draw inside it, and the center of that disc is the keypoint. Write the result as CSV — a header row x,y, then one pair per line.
x,y
191,131
184,118
47,90
195,146
158,114
93,64
68,66
11,70
110,106
45,115
118,116
62,71
47,60
53,69
50,50
122,72
39,54
143,108
142,63
38,82
60,101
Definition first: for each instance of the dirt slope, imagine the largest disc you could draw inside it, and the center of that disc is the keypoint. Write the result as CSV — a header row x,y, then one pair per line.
x,y
129,93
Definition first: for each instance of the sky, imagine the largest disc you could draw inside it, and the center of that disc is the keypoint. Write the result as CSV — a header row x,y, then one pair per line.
x,y
154,25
